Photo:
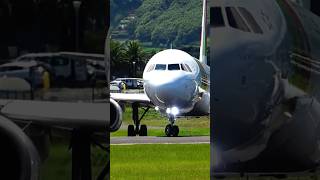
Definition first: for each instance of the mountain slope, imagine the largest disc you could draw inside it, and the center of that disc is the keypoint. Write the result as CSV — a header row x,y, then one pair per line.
x,y
169,21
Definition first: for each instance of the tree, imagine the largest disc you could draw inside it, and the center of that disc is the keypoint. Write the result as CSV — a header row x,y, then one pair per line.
x,y
134,55
129,58
117,53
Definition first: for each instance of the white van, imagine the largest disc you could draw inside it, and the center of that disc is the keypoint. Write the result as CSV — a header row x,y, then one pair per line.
x,y
65,68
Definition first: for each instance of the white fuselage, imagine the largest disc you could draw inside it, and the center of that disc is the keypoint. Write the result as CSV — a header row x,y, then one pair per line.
x,y
175,79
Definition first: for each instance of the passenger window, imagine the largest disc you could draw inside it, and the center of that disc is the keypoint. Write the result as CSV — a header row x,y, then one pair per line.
x,y
250,19
161,67
173,67
235,19
216,18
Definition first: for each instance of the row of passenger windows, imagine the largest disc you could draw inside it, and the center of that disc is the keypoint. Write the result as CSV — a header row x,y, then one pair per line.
x,y
239,18
170,67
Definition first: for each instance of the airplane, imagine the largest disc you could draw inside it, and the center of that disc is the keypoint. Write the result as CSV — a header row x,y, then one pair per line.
x,y
175,83
265,99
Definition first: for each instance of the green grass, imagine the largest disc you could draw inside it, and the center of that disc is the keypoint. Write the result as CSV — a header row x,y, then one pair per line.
x,y
160,161
273,178
156,124
59,164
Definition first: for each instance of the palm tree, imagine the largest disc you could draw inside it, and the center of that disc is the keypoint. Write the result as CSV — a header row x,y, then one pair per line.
x,y
135,56
116,53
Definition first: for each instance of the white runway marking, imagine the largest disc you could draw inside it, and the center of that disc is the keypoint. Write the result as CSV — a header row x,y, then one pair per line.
x,y
159,140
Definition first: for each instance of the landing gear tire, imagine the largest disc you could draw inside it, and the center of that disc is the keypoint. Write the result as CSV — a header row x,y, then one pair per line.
x,y
143,130
175,131
167,130
172,130
131,131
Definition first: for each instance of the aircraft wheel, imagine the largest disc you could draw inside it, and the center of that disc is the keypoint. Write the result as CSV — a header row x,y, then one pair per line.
x,y
168,130
131,131
143,130
175,131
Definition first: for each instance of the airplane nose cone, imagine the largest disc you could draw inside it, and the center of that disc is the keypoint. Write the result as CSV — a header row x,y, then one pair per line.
x,y
242,88
175,92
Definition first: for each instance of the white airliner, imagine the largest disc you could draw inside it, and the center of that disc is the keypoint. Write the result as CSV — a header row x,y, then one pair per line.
x,y
176,84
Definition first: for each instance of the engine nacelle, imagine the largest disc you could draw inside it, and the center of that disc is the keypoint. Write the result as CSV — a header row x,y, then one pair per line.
x,y
19,157
115,115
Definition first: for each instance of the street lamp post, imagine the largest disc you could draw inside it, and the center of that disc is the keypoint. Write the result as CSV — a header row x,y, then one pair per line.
x,y
77,5
134,68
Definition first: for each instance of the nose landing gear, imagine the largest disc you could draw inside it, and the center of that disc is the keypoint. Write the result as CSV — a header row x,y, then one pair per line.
x,y
171,130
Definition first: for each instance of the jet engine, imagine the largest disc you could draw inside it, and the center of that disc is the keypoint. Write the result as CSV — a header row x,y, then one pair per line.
x,y
19,157
115,115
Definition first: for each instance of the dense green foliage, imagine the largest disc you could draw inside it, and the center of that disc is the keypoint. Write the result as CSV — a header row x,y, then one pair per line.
x,y
169,21
162,22
130,57
120,9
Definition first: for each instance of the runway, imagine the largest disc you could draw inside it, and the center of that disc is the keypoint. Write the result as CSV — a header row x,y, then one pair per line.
x,y
159,140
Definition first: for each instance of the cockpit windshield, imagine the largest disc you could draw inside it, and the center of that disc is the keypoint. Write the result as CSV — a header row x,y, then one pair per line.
x,y
251,21
173,67
237,17
216,17
235,20
169,67
187,67
161,67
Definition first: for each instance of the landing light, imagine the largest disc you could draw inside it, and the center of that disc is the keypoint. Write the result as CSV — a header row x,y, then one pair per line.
x,y
156,108
174,111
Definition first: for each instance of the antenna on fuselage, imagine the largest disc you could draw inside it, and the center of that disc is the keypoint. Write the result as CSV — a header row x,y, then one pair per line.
x,y
203,43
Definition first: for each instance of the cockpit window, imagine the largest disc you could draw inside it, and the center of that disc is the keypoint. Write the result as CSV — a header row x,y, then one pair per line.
x,y
182,67
161,67
173,67
216,17
251,21
151,67
187,67
235,20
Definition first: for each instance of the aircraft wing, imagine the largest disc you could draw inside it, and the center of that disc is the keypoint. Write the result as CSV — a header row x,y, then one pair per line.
x,y
131,98
92,116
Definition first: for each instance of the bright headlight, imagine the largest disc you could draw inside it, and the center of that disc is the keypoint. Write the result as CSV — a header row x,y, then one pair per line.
x,y
168,111
174,111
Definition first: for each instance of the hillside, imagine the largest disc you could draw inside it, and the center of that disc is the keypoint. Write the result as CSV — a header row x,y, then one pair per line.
x,y
163,22
121,8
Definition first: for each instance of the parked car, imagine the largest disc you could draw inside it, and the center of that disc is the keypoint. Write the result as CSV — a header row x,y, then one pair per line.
x,y
31,71
132,83
120,84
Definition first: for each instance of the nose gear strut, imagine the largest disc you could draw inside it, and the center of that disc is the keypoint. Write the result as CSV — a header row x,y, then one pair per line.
x,y
171,129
